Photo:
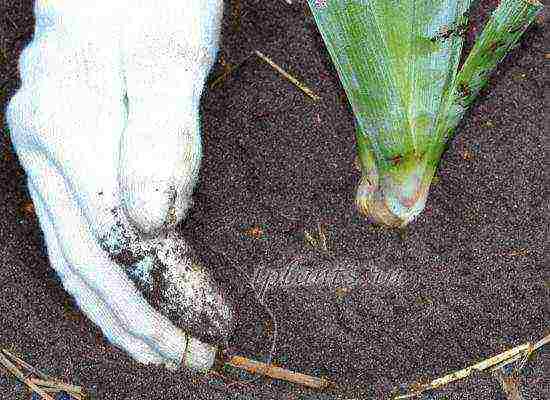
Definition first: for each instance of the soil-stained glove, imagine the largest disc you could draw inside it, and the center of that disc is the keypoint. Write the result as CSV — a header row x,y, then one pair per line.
x,y
106,126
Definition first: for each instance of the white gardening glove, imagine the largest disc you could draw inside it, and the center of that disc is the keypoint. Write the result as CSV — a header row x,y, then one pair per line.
x,y
106,125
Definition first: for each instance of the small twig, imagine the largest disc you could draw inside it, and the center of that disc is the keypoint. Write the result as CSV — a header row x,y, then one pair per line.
x,y
289,77
45,382
481,366
272,371
29,367
57,385
15,371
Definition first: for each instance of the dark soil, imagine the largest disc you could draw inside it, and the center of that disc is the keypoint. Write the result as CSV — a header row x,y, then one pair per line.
x,y
466,281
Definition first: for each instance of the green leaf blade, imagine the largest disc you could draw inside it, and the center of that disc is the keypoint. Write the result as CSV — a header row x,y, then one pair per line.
x,y
499,36
387,53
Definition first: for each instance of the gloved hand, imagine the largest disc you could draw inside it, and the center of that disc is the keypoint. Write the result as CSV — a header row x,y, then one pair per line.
x,y
106,125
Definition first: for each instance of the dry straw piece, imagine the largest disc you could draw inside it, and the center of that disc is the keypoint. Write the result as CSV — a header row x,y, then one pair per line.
x,y
289,77
491,364
272,371
23,371
229,69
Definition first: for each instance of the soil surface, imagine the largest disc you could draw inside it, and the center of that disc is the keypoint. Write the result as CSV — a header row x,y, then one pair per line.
x,y
466,281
